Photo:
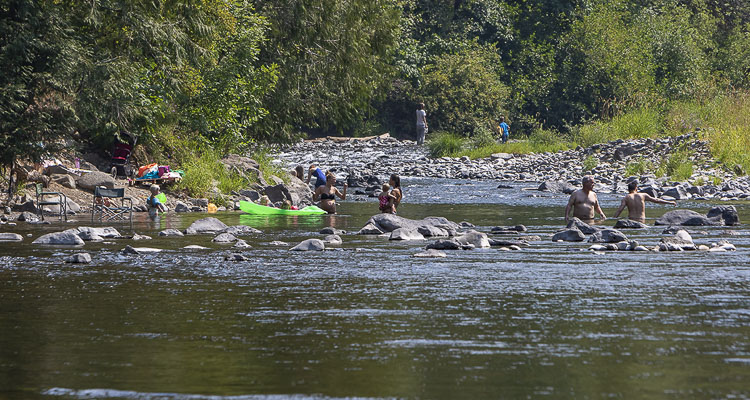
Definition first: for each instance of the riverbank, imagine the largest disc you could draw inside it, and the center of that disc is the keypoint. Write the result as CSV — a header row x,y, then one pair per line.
x,y
610,163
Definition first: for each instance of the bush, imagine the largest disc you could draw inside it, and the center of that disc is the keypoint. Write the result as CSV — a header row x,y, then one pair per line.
x,y
445,144
590,163
638,167
678,165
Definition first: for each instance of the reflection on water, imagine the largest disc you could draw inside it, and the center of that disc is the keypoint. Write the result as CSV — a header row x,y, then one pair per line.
x,y
368,320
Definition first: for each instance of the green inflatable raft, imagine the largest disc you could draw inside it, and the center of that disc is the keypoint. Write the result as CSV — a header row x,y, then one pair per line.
x,y
257,209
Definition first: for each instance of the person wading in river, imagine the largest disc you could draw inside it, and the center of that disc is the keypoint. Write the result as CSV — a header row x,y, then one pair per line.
x,y
398,195
636,203
327,194
584,202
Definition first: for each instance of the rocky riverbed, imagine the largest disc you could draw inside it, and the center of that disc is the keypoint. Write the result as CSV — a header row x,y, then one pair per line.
x,y
357,161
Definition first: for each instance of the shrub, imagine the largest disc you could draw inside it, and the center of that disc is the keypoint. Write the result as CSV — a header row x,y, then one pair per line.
x,y
445,144
590,163
638,167
678,165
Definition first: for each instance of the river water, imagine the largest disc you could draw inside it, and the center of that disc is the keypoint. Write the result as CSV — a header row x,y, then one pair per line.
x,y
368,320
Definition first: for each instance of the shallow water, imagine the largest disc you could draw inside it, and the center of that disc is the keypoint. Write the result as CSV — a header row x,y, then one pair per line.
x,y
368,320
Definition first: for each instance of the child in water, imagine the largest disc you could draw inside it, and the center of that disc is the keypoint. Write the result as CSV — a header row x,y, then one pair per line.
x,y
386,200
153,203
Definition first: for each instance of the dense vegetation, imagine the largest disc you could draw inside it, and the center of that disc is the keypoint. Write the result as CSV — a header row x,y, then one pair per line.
x,y
223,75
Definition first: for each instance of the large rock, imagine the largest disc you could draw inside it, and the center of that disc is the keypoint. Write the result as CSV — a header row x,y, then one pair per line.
x,y
607,236
556,187
310,245
278,193
684,218
299,191
581,226
65,180
679,242
432,231
55,208
629,224
370,229
406,234
60,238
390,222
181,207
678,193
91,180
27,217
569,235
105,232
10,237
430,253
206,225
478,239
724,215
171,233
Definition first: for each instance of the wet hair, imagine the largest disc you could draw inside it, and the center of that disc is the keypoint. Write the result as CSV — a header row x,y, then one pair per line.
x,y
632,186
300,171
330,175
386,187
154,189
396,181
587,179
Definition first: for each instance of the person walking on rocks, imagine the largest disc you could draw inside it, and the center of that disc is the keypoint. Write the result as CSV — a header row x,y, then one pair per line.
x,y
504,129
583,202
636,203
421,123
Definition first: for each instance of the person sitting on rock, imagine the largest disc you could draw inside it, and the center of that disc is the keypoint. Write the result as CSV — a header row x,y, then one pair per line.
x,y
386,200
636,203
153,203
584,202
327,194
320,177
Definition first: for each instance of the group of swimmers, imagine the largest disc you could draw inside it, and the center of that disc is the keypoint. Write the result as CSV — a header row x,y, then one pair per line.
x,y
325,190
585,205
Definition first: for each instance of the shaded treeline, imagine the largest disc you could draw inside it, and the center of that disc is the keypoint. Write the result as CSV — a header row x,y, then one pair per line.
x,y
230,73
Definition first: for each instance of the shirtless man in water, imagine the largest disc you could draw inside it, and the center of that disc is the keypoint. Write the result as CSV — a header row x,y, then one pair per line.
x,y
636,203
584,202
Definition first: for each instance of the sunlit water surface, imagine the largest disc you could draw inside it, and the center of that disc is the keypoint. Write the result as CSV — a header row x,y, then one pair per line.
x,y
368,320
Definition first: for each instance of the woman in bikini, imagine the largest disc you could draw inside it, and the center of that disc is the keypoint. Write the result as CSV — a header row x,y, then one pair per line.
x,y
327,194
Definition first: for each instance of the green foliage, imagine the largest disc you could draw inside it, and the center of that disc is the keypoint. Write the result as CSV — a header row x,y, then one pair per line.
x,y
462,91
206,176
638,167
444,144
589,163
677,165
267,166
639,123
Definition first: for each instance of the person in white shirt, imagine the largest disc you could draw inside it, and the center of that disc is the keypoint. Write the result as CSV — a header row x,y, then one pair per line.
x,y
421,124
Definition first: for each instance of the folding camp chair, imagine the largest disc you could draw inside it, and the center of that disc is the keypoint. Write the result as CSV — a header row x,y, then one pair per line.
x,y
61,202
111,204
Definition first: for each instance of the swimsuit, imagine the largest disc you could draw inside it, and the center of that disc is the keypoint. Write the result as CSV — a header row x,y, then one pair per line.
x,y
385,202
326,196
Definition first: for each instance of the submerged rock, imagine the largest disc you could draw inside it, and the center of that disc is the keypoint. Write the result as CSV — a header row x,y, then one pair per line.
x,y
684,218
206,225
477,239
444,244
406,234
171,232
333,239
724,215
224,238
79,258
569,235
679,242
309,245
241,230
629,224
607,236
430,253
235,257
581,226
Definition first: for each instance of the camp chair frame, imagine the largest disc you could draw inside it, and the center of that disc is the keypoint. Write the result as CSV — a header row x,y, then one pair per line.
x,y
105,205
61,202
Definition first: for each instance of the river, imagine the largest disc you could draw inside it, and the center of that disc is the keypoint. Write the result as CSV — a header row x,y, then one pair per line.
x,y
368,320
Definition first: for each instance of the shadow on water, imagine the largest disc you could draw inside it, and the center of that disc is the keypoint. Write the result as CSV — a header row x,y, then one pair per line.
x,y
366,319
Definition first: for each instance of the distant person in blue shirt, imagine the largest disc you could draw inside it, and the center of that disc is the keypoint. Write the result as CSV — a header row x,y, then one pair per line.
x,y
504,129
320,176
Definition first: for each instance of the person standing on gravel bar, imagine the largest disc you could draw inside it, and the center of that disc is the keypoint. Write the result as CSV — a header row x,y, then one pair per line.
x,y
320,177
636,203
504,129
584,202
395,183
421,124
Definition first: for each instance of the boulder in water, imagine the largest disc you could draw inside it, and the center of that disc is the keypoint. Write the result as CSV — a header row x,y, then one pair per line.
x,y
310,245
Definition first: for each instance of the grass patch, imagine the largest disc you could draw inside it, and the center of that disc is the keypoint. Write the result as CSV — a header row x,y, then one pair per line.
x,y
590,163
445,144
678,165
639,123
267,166
205,172
540,141
638,167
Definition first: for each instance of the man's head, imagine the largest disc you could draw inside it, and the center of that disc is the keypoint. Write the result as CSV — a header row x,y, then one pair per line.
x,y
588,182
420,106
633,186
502,119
